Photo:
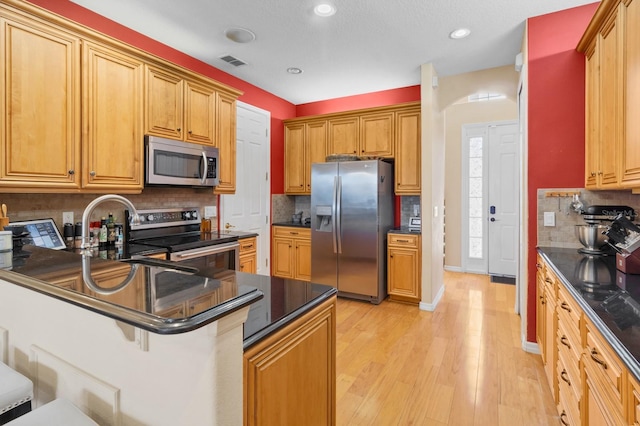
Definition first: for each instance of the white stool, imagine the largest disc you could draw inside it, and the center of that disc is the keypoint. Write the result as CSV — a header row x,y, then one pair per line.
x,y
59,412
16,393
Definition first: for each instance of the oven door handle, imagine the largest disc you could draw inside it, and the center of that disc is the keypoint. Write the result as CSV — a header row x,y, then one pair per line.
x,y
219,248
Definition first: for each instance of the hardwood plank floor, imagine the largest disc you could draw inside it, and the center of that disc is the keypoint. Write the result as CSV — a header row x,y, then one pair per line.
x,y
460,365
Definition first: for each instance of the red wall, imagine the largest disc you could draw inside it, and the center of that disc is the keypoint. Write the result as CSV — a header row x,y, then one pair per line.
x,y
367,100
556,118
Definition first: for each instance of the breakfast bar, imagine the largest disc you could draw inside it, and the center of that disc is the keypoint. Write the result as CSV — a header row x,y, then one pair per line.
x,y
141,341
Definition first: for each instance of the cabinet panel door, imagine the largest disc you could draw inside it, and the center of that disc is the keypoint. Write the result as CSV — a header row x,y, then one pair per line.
x,y
164,106
40,140
316,146
112,119
226,135
199,114
408,152
344,136
377,135
294,158
610,97
303,260
403,273
283,254
592,119
631,141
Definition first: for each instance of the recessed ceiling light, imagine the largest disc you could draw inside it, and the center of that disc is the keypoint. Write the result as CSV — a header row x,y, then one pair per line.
x,y
324,10
294,70
460,33
240,35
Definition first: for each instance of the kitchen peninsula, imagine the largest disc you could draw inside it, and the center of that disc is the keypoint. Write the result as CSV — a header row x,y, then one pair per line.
x,y
165,348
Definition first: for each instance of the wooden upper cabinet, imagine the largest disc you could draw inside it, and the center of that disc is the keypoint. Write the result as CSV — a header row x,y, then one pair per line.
x,y
592,117
200,106
164,94
408,152
305,144
315,147
40,134
376,135
226,138
343,136
112,85
631,135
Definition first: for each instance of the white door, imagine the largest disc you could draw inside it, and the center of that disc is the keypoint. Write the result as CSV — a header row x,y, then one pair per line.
x,y
504,174
490,198
248,209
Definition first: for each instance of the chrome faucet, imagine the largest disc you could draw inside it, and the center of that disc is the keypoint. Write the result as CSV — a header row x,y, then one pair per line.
x,y
86,215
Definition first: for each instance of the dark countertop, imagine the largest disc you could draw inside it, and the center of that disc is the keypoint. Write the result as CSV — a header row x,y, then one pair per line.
x,y
156,293
404,230
613,305
295,225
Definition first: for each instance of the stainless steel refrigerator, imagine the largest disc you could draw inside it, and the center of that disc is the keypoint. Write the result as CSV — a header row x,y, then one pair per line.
x,y
351,212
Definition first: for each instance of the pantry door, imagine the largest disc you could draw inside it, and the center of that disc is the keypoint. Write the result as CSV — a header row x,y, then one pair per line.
x,y
248,209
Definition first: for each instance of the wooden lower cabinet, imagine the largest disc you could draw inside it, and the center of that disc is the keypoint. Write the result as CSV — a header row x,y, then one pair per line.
x,y
290,376
249,255
404,267
590,383
291,251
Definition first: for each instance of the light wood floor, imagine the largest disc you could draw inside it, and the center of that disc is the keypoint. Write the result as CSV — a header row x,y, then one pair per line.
x,y
460,365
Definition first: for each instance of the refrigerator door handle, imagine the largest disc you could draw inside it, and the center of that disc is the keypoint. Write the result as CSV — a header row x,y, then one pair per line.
x,y
333,215
338,216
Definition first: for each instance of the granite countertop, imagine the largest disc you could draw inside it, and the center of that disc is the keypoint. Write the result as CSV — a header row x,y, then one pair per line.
x,y
293,224
158,297
612,305
404,230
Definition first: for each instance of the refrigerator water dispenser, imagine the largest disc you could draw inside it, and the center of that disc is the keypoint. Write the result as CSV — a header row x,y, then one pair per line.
x,y
323,224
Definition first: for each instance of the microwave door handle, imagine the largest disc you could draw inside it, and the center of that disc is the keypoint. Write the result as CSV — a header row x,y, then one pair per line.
x,y
203,168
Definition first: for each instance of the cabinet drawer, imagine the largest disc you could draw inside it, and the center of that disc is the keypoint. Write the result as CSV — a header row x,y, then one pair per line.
x,y
634,401
403,240
568,408
569,376
606,366
570,350
247,245
568,311
290,231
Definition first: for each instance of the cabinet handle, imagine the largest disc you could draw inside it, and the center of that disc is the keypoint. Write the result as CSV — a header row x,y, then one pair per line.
x,y
594,357
179,129
248,247
600,173
565,377
538,266
565,341
71,172
566,307
92,173
190,132
542,302
547,280
563,416
402,241
593,174
293,233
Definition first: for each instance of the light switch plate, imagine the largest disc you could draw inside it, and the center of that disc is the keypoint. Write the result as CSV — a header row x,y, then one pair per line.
x,y
210,211
549,219
67,217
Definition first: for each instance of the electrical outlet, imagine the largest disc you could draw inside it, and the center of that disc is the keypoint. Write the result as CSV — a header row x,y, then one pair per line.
x,y
67,217
549,219
210,211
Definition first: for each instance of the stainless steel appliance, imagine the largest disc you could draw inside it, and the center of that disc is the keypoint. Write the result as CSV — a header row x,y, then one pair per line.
x,y
177,163
178,231
351,212
592,235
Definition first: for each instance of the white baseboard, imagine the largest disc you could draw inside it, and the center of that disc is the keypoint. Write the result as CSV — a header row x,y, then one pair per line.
x,y
530,347
433,305
453,268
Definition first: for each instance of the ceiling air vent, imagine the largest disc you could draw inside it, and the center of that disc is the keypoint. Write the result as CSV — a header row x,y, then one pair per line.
x,y
233,60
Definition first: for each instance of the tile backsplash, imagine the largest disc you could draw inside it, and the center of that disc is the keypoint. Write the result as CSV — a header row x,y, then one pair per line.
x,y
38,206
563,233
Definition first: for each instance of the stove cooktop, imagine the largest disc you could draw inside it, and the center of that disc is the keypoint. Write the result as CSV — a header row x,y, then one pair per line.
x,y
188,241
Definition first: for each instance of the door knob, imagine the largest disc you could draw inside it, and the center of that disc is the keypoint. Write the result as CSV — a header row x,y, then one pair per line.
x,y
228,225
493,219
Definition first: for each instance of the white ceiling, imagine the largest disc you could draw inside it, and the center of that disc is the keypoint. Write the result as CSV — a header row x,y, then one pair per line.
x,y
367,46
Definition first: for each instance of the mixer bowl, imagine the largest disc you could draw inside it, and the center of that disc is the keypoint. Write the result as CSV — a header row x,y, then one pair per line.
x,y
591,237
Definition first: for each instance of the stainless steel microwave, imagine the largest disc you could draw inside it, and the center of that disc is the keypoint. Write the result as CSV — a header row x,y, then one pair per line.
x,y
177,163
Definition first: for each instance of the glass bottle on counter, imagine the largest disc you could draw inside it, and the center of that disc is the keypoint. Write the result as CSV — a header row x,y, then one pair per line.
x,y
111,231
102,236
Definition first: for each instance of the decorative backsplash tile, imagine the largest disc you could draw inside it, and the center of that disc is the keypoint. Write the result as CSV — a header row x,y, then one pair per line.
x,y
282,207
563,233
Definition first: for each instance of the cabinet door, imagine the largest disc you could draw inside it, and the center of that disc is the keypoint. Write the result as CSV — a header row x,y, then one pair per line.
x,y
403,278
248,263
200,102
377,134
592,119
283,255
303,260
226,134
408,152
40,139
294,158
343,136
112,119
550,348
316,148
631,140
540,311
164,103
610,98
